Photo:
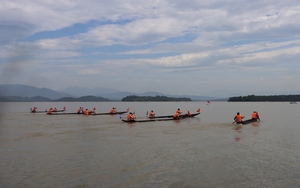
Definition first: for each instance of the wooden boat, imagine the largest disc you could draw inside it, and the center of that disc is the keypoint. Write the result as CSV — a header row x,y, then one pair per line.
x,y
249,121
171,116
74,113
108,113
39,111
148,120
162,118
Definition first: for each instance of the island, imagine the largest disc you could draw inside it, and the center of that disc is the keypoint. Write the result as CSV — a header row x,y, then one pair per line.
x,y
263,98
135,98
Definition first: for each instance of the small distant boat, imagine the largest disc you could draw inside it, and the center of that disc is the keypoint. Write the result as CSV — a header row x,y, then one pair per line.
x,y
293,102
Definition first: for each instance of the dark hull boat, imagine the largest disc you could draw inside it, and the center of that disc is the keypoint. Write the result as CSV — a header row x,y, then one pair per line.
x,y
248,121
108,113
162,118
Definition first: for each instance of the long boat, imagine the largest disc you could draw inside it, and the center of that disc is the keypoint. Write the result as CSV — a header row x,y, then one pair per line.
x,y
248,121
65,113
148,120
162,118
171,116
108,113
39,111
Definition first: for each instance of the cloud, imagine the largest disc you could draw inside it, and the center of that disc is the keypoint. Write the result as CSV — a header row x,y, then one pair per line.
x,y
156,40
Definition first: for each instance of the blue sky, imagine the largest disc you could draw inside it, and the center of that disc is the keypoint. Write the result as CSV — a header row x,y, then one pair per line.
x,y
169,46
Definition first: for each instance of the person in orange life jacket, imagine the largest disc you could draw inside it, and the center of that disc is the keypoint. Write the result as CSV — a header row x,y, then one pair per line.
x,y
54,109
33,109
189,113
79,111
49,111
151,114
255,115
178,111
86,112
176,115
130,116
112,110
238,118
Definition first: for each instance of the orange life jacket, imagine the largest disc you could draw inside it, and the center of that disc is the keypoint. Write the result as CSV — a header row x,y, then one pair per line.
x,y
49,111
112,110
86,112
54,110
79,110
151,114
129,117
238,118
177,114
254,115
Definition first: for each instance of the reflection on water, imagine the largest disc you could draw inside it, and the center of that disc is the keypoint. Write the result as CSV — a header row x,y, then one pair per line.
x,y
102,151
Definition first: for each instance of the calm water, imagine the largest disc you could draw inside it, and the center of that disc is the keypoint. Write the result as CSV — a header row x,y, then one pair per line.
x,y
37,150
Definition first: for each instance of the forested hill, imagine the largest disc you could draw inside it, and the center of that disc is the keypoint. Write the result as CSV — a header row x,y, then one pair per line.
x,y
252,98
156,98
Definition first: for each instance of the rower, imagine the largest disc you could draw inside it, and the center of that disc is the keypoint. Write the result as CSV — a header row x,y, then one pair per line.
x,y
177,114
112,110
80,110
86,112
54,109
238,118
49,111
151,114
33,109
130,117
255,115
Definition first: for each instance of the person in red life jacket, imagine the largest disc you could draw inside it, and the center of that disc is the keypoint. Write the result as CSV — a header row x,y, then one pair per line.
x,y
79,111
49,111
54,109
238,118
151,114
189,113
130,117
86,112
33,110
178,111
255,115
112,110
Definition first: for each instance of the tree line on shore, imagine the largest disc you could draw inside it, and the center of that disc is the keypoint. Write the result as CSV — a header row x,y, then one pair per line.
x,y
262,98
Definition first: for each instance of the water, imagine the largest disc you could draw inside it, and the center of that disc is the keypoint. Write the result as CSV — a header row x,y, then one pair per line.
x,y
38,150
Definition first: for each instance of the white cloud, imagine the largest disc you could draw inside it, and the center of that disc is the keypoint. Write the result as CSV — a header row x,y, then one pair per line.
x,y
164,36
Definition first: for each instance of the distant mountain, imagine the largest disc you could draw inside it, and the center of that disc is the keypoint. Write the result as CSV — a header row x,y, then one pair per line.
x,y
73,92
80,91
24,99
30,91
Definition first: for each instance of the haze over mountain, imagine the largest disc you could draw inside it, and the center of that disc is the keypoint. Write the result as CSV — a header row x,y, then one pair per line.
x,y
112,94
30,91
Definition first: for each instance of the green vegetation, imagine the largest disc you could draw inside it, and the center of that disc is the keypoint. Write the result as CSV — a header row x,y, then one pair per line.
x,y
156,98
252,98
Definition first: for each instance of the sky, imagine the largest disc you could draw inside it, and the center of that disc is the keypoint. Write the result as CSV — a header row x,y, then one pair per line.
x,y
169,46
